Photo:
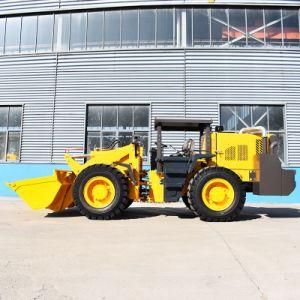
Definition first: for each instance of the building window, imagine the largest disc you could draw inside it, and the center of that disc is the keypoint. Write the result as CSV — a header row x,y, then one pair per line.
x,y
151,27
10,132
107,123
271,117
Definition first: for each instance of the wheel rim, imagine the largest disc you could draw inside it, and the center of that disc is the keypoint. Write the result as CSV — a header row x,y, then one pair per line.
x,y
99,192
218,194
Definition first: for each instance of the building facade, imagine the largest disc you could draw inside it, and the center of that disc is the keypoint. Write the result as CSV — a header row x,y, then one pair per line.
x,y
78,74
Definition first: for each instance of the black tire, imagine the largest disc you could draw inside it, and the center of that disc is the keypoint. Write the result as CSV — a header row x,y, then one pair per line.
x,y
129,203
195,195
120,201
185,200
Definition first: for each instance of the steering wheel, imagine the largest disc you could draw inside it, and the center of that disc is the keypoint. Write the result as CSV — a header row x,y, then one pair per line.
x,y
162,145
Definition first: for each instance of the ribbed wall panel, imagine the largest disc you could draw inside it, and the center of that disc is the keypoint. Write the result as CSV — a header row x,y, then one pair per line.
x,y
155,77
177,83
30,81
28,6
121,3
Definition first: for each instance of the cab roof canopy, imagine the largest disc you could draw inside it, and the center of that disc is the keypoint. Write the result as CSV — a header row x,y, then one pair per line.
x,y
182,124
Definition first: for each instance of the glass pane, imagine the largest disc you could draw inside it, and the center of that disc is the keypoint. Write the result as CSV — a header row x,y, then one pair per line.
x,y
273,27
125,138
260,116
125,117
95,30
78,31
237,27
165,26
129,28
45,33
201,27
255,29
147,27
228,118
243,116
15,117
107,139
28,35
93,141
12,36
276,121
94,117
3,117
2,34
291,32
62,32
109,117
112,29
141,117
2,145
189,26
13,146
144,139
219,26
281,142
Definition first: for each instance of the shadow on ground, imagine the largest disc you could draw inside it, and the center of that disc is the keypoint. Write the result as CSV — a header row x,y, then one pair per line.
x,y
248,213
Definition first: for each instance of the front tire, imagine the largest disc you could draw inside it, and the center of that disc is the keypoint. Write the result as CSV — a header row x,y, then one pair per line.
x,y
100,192
216,194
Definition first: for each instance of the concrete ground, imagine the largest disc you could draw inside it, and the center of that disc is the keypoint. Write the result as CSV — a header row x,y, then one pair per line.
x,y
153,252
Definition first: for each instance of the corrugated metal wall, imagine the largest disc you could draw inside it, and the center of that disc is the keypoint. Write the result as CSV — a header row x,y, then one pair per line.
x,y
28,6
155,77
30,81
177,83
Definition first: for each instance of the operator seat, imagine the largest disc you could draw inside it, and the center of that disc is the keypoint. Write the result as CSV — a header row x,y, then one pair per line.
x,y
188,147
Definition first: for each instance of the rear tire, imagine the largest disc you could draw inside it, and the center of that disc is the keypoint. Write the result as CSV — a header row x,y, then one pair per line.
x,y
185,200
227,210
119,200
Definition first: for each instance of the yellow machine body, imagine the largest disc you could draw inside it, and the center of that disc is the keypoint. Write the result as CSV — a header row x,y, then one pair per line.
x,y
245,154
128,160
55,192
156,186
237,152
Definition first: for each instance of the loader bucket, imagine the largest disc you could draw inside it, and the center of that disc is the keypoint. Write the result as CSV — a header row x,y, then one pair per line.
x,y
52,192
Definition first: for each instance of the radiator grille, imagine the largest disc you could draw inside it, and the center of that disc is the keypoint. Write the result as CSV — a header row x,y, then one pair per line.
x,y
259,147
242,152
230,153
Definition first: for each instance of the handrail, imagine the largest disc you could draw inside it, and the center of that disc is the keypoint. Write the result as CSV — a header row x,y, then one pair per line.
x,y
255,130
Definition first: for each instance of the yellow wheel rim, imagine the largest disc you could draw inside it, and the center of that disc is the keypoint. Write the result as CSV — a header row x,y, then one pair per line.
x,y
99,192
218,194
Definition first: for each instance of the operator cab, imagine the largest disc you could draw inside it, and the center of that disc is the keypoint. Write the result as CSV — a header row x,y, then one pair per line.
x,y
188,148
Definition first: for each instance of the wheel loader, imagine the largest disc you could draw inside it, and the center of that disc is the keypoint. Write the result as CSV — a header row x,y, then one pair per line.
x,y
211,180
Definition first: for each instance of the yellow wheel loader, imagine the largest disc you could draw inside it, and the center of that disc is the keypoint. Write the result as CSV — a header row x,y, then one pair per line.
x,y
212,180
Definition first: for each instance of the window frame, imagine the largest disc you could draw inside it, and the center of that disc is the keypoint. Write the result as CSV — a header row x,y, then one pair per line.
x,y
146,158
9,105
267,104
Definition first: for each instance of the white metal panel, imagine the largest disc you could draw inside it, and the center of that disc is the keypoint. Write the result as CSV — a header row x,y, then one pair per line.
x,y
29,80
26,6
29,6
122,3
